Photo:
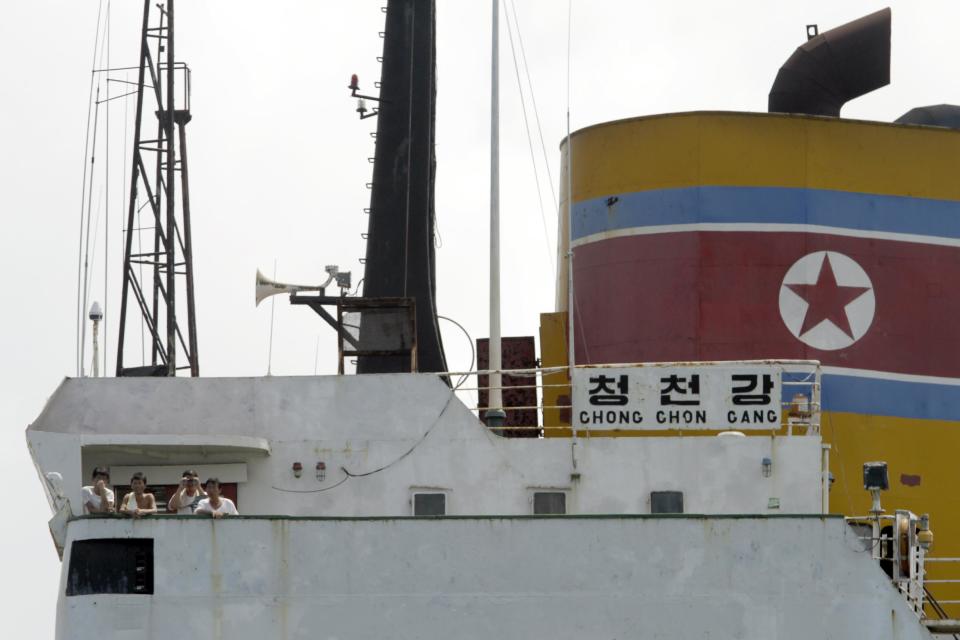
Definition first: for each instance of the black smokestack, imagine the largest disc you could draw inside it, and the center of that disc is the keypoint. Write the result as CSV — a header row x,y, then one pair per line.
x,y
400,242
835,67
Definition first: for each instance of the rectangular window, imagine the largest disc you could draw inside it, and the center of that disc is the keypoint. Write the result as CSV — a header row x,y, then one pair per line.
x,y
548,503
666,502
429,504
111,565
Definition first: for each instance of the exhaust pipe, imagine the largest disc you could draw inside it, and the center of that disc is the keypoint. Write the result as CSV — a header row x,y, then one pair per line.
x,y
834,67
937,115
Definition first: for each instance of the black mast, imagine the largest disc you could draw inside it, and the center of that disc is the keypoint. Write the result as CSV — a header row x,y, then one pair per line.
x,y
400,260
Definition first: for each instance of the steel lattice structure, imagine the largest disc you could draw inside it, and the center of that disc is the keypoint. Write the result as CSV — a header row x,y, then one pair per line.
x,y
152,277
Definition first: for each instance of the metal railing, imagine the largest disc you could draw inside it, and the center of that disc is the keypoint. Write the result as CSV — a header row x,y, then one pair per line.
x,y
943,580
897,543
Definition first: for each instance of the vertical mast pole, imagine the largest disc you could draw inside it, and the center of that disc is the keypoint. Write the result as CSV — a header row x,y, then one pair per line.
x,y
96,343
134,173
571,343
158,171
570,299
106,210
495,413
171,188
272,309
194,357
571,356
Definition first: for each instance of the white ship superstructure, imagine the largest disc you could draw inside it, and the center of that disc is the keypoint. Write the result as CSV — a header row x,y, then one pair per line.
x,y
334,473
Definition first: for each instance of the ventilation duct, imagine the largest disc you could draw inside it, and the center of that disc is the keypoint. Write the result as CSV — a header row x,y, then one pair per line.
x,y
835,67
937,115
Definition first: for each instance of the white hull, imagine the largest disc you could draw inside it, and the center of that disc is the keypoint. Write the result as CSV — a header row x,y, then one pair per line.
x,y
481,578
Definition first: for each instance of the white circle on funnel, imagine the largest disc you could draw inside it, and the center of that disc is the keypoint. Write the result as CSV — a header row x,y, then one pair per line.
x,y
835,292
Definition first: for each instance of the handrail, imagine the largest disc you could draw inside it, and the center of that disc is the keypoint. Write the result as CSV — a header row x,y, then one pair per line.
x,y
900,541
621,365
939,610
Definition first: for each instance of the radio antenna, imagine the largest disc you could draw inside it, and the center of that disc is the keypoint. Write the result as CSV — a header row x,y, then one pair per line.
x,y
273,304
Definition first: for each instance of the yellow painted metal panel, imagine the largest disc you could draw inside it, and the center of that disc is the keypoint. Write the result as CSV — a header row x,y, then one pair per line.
x,y
553,353
738,150
656,154
924,478
755,149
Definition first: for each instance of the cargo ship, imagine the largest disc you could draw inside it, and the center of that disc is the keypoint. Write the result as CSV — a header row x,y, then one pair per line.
x,y
736,423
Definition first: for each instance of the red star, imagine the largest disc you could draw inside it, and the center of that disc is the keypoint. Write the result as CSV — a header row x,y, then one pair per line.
x,y
827,300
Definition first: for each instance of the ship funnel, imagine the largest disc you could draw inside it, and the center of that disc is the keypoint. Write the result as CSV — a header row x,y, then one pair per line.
x,y
834,67
937,115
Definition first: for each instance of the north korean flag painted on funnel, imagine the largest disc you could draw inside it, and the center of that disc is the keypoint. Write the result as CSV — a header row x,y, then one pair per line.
x,y
856,281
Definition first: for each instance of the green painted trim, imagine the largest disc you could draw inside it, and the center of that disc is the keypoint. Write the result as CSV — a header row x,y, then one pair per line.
x,y
625,516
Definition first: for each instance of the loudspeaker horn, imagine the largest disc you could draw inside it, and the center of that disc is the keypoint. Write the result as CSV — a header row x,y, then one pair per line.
x,y
265,287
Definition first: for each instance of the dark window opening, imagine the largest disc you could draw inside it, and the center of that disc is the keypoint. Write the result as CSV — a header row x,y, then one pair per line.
x,y
666,502
111,565
549,503
429,504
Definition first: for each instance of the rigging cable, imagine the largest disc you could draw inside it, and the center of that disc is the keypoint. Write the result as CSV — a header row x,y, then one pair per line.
x,y
103,198
571,314
473,350
126,139
834,445
272,308
526,127
583,336
573,304
86,253
345,478
106,211
411,449
533,101
88,284
359,284
348,474
83,192
543,146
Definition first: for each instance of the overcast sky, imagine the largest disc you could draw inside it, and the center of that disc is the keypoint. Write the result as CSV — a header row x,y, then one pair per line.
x,y
278,163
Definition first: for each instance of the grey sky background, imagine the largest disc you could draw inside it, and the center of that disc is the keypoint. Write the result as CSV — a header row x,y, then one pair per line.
x,y
278,163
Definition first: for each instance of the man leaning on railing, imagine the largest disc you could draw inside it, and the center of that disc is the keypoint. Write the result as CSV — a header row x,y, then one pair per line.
x,y
188,495
215,505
